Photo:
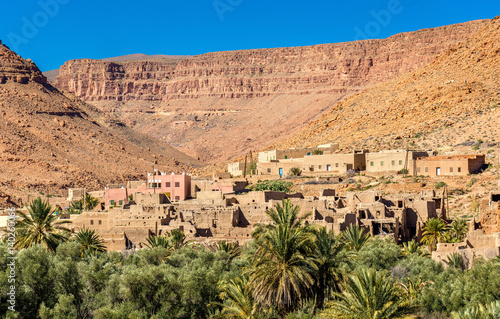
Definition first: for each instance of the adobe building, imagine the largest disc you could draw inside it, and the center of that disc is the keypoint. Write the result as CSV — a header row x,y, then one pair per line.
x,y
335,163
236,169
225,186
279,168
290,153
213,216
393,161
453,165
175,187
477,244
489,213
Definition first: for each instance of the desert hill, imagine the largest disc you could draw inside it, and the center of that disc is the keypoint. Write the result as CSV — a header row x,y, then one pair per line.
x,y
218,105
451,103
50,141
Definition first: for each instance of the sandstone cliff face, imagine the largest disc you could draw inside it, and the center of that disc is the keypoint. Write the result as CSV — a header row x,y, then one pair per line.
x,y
219,105
329,68
16,69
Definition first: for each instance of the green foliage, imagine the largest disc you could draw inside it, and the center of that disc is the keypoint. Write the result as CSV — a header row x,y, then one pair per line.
x,y
40,226
458,230
317,152
379,254
295,171
252,167
282,273
355,237
87,203
455,260
275,186
368,294
490,311
440,184
90,242
435,231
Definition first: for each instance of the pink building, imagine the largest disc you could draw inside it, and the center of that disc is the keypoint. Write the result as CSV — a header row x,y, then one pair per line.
x,y
176,187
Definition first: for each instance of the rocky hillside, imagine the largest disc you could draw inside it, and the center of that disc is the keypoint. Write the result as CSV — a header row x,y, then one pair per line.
x,y
50,141
218,105
451,103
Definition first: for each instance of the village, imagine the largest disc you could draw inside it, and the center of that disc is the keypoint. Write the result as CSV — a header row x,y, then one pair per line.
x,y
221,207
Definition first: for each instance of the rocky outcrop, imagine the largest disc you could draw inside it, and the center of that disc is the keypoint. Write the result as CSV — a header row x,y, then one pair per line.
x,y
329,68
16,69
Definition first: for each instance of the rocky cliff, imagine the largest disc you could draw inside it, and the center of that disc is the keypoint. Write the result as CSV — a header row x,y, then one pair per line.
x,y
50,141
220,104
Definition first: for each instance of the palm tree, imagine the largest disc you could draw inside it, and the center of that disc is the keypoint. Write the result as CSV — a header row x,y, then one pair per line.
x,y
40,226
355,237
283,266
90,242
490,311
177,239
459,229
232,249
329,257
455,260
412,289
367,294
413,247
75,207
238,301
434,232
158,241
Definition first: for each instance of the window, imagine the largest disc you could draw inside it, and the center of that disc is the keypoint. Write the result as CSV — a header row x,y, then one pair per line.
x,y
418,169
393,163
100,222
177,198
112,202
459,169
167,184
451,169
286,156
426,169
120,202
177,184
269,170
319,166
400,162
371,163
336,164
381,163
328,168
91,222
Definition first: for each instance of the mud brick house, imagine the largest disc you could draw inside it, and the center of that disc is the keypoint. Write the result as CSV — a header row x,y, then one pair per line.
x,y
214,216
453,165
336,163
279,167
236,169
393,161
290,153
489,213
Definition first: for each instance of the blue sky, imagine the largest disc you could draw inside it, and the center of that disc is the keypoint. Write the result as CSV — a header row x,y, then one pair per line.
x,y
51,32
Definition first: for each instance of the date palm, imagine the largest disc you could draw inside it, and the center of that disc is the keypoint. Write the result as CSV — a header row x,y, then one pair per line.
x,y
329,257
283,265
238,301
90,242
367,294
435,231
177,239
459,229
40,226
413,247
158,241
355,237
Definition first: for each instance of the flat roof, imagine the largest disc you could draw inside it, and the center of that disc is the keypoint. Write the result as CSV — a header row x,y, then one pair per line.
x,y
450,157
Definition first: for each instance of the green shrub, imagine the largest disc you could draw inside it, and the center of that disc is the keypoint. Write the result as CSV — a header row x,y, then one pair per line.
x,y
440,184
